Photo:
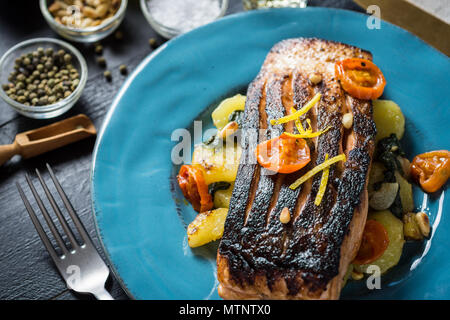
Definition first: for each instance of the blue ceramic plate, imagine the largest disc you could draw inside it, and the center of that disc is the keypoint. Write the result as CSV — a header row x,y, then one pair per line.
x,y
140,215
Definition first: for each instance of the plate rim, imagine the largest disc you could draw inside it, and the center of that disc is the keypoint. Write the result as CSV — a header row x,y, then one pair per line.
x,y
144,63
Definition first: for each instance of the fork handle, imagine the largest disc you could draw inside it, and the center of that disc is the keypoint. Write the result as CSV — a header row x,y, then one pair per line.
x,y
102,294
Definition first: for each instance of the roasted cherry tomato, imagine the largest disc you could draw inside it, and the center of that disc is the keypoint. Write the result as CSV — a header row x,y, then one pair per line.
x,y
192,183
374,242
431,169
283,154
361,78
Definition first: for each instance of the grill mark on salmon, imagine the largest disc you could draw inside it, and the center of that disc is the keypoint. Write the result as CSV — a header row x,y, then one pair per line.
x,y
306,258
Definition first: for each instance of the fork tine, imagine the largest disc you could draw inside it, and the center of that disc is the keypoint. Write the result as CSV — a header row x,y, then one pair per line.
x,y
62,220
48,245
47,217
84,235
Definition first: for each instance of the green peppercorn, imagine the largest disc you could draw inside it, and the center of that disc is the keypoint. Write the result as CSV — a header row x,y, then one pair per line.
x,y
152,42
43,100
98,49
123,69
48,65
51,99
118,35
107,75
51,83
101,62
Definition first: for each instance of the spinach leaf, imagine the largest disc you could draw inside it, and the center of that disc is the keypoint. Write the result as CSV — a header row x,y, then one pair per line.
x,y
237,116
388,150
216,186
210,140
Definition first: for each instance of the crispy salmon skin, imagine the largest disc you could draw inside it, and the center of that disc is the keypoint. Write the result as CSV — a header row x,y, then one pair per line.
x,y
307,258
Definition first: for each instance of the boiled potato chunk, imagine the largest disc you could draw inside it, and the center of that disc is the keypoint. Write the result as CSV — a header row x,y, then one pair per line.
x,y
388,118
222,197
394,228
218,164
406,194
206,227
226,107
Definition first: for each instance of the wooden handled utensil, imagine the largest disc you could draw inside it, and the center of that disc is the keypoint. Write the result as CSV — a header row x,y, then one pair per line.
x,y
35,142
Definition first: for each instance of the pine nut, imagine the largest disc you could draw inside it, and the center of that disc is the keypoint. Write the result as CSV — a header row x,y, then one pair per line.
x,y
347,120
315,78
424,223
285,215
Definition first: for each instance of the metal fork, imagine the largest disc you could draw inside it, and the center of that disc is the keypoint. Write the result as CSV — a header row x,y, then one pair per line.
x,y
81,265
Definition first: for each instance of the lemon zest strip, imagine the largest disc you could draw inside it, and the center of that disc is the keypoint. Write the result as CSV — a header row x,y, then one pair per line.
x,y
298,113
307,134
323,184
298,123
316,170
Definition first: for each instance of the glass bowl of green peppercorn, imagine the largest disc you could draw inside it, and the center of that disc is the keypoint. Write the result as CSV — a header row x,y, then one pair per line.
x,y
42,78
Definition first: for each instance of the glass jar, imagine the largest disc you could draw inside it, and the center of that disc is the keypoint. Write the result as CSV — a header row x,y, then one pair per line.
x,y
259,4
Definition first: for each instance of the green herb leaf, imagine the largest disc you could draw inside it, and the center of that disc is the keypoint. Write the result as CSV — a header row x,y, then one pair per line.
x,y
216,186
237,116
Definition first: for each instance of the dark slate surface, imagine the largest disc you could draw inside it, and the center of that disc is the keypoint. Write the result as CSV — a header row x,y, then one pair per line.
x,y
26,270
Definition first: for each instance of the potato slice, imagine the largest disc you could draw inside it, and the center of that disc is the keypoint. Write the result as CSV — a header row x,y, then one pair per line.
x,y
206,227
388,118
226,107
391,256
222,197
218,164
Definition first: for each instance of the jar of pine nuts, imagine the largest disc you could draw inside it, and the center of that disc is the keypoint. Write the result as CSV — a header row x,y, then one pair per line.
x,y
83,20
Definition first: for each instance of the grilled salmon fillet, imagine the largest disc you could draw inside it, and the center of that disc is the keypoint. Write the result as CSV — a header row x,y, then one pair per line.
x,y
307,258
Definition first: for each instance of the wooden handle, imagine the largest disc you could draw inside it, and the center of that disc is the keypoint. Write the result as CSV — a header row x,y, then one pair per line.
x,y
8,151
